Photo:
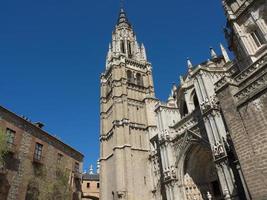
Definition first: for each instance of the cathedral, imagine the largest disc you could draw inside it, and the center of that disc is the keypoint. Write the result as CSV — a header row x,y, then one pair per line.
x,y
208,141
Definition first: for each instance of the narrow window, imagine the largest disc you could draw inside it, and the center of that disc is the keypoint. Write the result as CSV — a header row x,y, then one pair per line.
x,y
10,136
257,38
122,46
38,151
129,49
139,79
88,185
98,185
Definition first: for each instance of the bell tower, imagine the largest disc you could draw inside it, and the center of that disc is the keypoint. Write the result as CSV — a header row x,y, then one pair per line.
x,y
126,85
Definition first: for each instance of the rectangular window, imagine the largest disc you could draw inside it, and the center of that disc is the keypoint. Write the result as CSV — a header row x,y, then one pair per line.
x,y
10,136
38,151
88,185
257,38
98,185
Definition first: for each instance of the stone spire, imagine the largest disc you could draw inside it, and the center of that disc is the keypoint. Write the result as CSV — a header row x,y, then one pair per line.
x,y
123,20
212,53
91,170
224,53
124,42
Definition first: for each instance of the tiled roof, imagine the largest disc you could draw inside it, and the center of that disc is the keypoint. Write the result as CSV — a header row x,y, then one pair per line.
x,y
91,177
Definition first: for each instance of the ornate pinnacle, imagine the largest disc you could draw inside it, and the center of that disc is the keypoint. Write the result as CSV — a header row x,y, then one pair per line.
x,y
224,53
212,53
189,64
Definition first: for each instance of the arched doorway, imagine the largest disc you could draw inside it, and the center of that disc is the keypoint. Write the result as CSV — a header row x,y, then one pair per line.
x,y
200,176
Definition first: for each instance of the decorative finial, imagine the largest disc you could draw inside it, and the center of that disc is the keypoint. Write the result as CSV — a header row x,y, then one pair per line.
x,y
189,64
212,53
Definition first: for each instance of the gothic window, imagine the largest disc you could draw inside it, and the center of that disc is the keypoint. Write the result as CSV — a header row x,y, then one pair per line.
x,y
139,79
257,38
122,46
129,49
130,76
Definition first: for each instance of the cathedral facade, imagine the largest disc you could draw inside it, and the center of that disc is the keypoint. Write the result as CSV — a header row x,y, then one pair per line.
x,y
209,140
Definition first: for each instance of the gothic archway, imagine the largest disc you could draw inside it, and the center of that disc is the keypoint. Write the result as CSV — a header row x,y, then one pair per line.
x,y
199,174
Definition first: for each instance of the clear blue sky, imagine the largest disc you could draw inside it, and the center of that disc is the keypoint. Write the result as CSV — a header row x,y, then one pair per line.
x,y
52,53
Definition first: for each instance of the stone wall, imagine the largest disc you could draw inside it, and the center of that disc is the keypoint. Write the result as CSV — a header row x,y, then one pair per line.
x,y
22,169
247,123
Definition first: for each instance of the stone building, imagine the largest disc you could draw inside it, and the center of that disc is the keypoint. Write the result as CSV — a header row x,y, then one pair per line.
x,y
209,140
91,184
37,163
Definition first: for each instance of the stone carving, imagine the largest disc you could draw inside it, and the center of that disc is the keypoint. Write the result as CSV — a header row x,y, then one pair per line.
x,y
218,150
121,194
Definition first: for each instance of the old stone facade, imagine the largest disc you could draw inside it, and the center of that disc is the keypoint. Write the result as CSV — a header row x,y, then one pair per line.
x,y
35,161
91,184
209,140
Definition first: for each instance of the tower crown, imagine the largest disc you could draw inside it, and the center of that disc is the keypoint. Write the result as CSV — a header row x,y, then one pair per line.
x,y
124,42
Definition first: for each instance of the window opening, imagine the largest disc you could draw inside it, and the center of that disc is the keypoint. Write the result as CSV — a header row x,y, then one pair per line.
x,y
38,151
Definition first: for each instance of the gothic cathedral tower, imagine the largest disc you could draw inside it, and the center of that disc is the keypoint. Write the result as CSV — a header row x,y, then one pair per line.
x,y
127,93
